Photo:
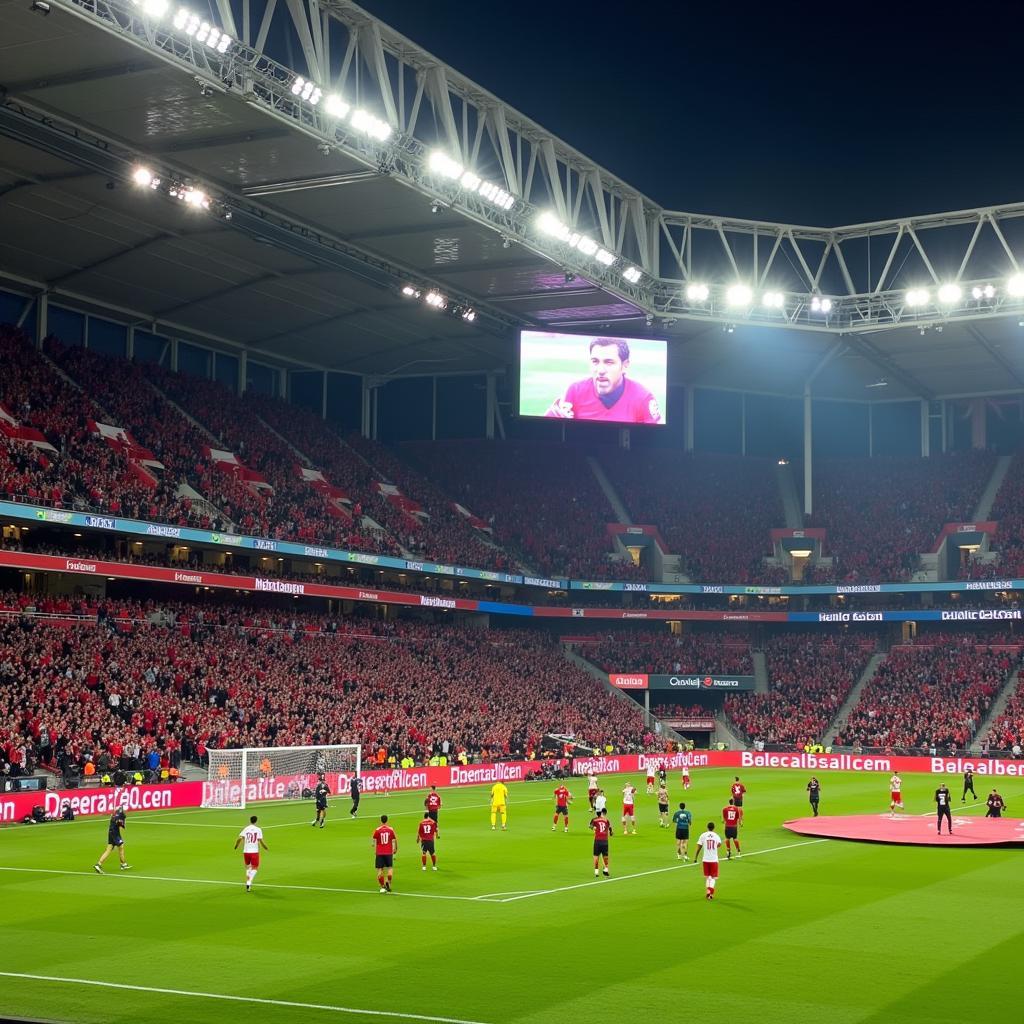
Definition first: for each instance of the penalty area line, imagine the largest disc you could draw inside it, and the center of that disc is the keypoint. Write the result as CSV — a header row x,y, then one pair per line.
x,y
254,1000
654,871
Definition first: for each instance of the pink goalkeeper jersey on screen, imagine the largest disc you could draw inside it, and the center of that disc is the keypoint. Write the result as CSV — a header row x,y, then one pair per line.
x,y
635,405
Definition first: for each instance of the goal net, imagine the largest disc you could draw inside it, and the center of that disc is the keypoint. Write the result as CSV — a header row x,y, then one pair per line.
x,y
238,777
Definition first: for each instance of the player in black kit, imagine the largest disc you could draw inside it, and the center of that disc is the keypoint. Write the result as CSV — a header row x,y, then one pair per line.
x,y
320,795
814,793
354,788
942,797
968,786
115,840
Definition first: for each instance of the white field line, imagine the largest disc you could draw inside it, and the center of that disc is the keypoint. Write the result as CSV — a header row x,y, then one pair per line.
x,y
290,1004
653,871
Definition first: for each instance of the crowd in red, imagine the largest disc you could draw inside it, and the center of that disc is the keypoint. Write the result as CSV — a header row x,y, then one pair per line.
x,y
1008,512
542,500
1007,732
715,511
195,678
661,652
809,680
932,694
882,513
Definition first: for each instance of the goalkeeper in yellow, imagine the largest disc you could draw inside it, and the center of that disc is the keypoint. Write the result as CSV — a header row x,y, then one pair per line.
x,y
499,804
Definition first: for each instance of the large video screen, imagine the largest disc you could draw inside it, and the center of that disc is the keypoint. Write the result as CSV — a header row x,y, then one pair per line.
x,y
592,377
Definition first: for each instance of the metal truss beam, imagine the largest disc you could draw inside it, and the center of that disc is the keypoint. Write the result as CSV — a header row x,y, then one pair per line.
x,y
864,269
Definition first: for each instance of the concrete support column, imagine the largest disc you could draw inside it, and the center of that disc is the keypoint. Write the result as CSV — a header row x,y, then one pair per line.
x,y
243,371
42,318
492,404
688,428
808,448
926,433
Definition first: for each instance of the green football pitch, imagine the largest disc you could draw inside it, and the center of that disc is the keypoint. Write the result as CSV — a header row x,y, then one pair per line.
x,y
513,926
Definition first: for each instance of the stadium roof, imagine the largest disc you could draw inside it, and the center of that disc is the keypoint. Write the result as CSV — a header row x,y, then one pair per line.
x,y
321,238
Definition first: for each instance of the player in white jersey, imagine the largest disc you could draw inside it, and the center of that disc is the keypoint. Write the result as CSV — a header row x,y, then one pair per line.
x,y
708,845
895,794
628,807
592,789
650,778
600,801
686,776
252,837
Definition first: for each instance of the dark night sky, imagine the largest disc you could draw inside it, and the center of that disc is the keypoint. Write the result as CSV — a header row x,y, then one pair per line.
x,y
818,114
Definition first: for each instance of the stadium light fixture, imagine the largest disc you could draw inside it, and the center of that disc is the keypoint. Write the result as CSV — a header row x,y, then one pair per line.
x,y
145,178
197,28
1015,286
820,304
917,297
155,8
336,107
738,294
632,274
950,293
435,299
979,292
697,293
306,90
773,300
194,197
441,163
469,315
410,292
368,124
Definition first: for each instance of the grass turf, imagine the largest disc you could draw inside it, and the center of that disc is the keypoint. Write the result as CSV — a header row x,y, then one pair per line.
x,y
800,929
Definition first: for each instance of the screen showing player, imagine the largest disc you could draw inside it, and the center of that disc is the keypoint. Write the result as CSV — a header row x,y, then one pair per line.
x,y
592,377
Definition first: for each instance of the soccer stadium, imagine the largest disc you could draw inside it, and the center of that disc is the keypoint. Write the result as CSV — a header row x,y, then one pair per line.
x,y
429,565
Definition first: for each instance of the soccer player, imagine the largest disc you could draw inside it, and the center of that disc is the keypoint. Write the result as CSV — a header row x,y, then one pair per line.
x,y
996,805
708,844
600,801
662,806
320,795
562,800
499,804
433,804
607,394
683,819
686,776
426,834
942,797
736,791
814,793
968,786
662,773
895,794
252,837
115,840
602,829
385,846
650,778
628,808
592,789
355,787
731,816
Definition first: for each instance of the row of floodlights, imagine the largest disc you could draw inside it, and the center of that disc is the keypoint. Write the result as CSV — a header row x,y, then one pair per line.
x,y
433,298
189,195
335,107
442,164
739,295
951,293
194,26
549,224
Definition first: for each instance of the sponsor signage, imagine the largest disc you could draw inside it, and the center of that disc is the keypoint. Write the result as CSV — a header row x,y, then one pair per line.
x,y
700,682
629,681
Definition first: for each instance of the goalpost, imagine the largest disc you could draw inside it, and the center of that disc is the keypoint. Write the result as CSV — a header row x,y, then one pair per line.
x,y
277,773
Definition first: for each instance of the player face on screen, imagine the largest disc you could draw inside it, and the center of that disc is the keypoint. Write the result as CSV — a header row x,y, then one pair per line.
x,y
609,361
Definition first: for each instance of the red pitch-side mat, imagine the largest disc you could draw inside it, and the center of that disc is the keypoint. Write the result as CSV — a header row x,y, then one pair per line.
x,y
912,829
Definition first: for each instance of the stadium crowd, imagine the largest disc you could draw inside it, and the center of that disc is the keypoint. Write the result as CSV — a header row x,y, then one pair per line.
x,y
809,679
660,652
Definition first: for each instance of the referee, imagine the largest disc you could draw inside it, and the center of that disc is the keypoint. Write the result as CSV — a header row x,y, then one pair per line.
x,y
968,786
814,793
354,787
942,797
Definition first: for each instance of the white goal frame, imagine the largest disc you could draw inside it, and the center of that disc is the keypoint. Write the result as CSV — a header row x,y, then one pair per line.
x,y
238,776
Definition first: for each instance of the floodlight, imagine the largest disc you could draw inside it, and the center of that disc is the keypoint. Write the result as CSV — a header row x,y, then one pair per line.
x,y
297,85
143,177
441,163
917,297
155,8
196,197
738,295
435,299
551,225
224,44
950,293
409,292
181,18
470,181
774,300
365,122
587,246
986,291
336,107
632,274
1015,286
697,292
604,257
469,315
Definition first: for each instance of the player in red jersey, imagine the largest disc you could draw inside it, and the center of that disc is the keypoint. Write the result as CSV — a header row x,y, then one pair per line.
x,y
731,816
433,804
736,791
592,788
686,776
629,807
895,794
708,845
562,800
386,846
607,394
252,836
425,836
602,829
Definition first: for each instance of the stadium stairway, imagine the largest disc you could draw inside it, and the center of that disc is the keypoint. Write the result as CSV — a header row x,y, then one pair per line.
x,y
988,496
854,696
621,513
761,684
790,499
1002,699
